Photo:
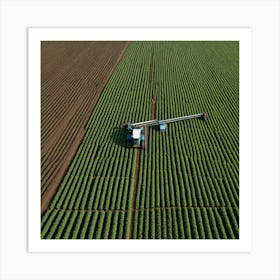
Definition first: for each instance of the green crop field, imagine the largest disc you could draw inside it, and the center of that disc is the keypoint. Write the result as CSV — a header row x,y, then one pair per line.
x,y
185,184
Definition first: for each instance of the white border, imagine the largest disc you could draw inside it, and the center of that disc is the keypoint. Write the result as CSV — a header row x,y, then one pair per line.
x,y
244,244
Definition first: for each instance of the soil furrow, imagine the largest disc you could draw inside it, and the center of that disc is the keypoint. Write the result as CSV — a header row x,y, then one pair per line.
x,y
70,108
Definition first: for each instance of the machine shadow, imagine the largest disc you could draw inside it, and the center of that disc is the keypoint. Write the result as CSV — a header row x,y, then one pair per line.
x,y
118,136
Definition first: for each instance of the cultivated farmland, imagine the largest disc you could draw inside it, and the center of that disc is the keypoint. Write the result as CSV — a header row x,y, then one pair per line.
x,y
73,75
186,183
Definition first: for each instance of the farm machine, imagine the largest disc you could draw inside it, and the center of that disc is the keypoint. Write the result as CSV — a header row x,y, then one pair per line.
x,y
135,136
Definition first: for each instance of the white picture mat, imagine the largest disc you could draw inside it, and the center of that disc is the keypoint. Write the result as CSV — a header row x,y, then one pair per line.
x,y
243,35
261,263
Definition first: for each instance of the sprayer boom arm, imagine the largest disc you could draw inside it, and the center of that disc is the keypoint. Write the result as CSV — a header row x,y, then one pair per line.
x,y
157,122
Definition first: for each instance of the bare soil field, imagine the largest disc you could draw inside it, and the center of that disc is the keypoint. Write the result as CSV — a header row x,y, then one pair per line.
x,y
73,75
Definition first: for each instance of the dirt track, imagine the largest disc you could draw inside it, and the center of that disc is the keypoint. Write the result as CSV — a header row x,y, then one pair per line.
x,y
134,191
73,75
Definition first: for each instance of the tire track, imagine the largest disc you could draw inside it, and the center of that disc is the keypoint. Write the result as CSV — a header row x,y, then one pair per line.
x,y
146,129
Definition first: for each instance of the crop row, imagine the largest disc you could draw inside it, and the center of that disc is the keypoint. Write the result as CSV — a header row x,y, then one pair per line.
x,y
158,223
186,223
85,225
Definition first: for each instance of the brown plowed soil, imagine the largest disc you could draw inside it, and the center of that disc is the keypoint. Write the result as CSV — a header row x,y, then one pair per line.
x,y
73,75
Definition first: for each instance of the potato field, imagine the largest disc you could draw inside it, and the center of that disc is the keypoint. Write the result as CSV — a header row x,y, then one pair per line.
x,y
185,184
